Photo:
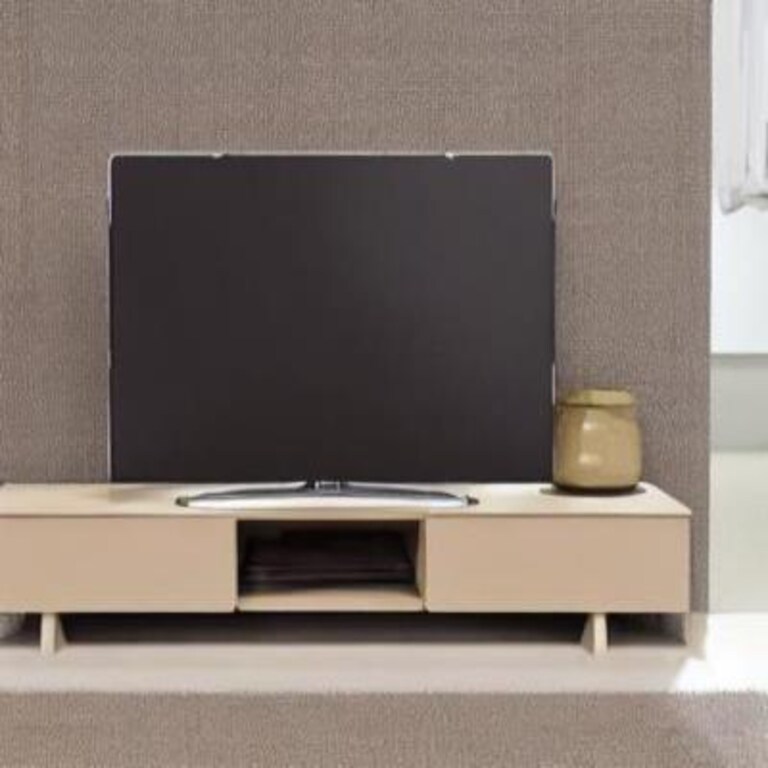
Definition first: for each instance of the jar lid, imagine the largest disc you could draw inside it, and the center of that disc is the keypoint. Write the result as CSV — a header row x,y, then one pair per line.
x,y
599,398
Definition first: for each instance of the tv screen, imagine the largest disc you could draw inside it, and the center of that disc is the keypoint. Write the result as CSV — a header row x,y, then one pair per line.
x,y
331,317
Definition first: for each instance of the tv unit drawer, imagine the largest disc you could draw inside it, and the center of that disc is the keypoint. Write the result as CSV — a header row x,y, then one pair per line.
x,y
117,564
558,563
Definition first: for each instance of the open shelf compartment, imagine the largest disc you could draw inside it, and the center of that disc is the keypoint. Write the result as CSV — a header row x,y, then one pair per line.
x,y
328,566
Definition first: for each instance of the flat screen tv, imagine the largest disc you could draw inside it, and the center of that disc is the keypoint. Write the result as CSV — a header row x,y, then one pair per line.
x,y
331,318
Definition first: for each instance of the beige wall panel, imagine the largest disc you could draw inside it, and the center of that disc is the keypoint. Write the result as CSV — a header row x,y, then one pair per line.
x,y
110,565
557,564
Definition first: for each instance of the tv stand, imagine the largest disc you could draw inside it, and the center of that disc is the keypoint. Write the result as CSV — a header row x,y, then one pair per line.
x,y
323,493
519,549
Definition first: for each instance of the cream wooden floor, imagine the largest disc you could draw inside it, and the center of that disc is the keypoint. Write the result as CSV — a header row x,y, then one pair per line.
x,y
298,653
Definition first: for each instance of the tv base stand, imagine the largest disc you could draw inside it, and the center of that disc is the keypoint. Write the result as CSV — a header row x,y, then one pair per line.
x,y
520,549
324,493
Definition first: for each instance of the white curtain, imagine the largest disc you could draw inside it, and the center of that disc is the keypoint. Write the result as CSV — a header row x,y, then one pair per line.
x,y
741,103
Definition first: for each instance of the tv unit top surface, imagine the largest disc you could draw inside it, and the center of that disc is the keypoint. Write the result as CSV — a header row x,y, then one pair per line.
x,y
159,499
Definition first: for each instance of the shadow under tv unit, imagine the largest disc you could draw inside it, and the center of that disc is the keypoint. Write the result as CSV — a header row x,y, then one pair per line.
x,y
521,548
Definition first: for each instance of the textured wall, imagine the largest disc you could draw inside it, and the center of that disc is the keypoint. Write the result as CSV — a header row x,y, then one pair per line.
x,y
617,89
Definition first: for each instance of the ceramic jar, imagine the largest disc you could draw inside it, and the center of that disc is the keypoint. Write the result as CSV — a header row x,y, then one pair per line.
x,y
597,442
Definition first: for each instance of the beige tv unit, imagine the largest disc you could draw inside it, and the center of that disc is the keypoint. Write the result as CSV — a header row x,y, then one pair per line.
x,y
522,548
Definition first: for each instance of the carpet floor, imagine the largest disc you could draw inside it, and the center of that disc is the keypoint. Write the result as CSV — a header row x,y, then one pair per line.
x,y
543,730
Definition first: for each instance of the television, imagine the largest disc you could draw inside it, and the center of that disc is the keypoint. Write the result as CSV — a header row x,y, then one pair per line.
x,y
315,321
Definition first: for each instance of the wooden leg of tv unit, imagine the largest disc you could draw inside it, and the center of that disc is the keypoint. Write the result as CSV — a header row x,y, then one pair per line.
x,y
595,635
52,636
